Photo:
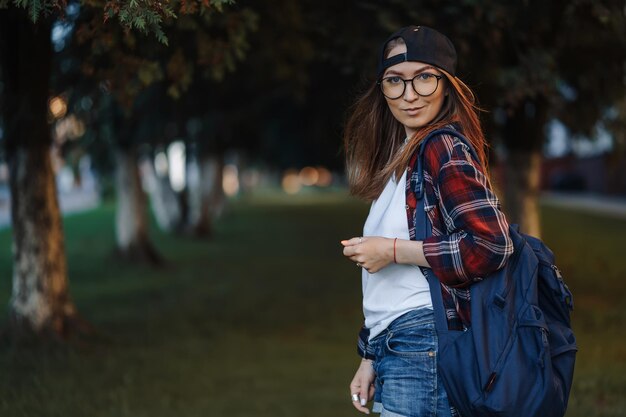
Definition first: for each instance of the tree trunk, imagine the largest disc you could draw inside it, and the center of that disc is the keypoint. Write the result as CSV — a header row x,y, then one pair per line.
x,y
163,199
524,137
40,302
40,299
216,202
131,220
523,174
616,160
206,195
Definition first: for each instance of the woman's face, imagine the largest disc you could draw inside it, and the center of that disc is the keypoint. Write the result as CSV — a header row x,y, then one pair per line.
x,y
410,109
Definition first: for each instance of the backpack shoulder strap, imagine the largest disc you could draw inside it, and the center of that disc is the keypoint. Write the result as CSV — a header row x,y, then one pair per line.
x,y
419,191
423,229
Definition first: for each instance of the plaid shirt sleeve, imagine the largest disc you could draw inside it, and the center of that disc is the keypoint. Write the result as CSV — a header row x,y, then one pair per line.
x,y
476,241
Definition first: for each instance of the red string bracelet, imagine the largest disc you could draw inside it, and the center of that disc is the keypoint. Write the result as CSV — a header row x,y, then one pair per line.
x,y
394,251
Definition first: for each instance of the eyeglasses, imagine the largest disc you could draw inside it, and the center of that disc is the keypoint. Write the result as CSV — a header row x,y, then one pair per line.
x,y
424,84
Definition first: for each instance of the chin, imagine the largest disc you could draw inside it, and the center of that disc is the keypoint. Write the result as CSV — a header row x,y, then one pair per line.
x,y
415,124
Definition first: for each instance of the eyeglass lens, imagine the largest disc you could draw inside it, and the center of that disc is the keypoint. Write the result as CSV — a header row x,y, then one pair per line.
x,y
424,84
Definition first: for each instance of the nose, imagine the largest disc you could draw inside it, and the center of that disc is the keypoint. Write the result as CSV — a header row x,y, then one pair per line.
x,y
409,91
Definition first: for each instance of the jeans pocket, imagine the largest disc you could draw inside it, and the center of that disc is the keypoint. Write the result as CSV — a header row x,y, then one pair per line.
x,y
413,341
407,372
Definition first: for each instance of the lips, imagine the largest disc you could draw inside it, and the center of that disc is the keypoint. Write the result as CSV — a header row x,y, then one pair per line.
x,y
413,110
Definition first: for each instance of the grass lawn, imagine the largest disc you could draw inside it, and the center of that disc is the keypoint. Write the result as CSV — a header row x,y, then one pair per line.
x,y
262,319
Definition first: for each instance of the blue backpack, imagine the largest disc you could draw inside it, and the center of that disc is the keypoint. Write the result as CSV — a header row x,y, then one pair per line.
x,y
517,358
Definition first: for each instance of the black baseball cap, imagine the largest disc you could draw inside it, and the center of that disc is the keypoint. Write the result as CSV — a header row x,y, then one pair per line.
x,y
422,44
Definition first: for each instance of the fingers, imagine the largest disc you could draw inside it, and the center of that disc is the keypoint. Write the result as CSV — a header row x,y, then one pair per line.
x,y
364,395
360,404
352,251
360,392
349,250
361,263
356,258
370,394
358,254
353,241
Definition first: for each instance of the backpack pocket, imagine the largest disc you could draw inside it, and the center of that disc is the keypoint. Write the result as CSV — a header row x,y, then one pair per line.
x,y
522,373
556,300
517,381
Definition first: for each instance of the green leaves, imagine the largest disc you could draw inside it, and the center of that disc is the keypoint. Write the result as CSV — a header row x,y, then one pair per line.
x,y
145,16
35,7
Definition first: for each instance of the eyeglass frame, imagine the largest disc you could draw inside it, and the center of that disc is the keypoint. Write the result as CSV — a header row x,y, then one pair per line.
x,y
380,83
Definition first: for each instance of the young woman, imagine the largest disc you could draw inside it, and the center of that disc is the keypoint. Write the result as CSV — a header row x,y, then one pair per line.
x,y
416,93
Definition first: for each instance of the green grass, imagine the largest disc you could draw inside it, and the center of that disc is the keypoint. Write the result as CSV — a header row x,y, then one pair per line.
x,y
262,319
590,252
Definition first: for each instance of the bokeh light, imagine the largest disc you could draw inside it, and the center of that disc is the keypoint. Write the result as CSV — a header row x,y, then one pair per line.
x,y
308,176
176,158
230,180
69,128
291,182
161,166
58,107
325,178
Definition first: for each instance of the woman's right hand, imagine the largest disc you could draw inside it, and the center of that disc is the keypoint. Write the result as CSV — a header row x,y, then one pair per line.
x,y
363,385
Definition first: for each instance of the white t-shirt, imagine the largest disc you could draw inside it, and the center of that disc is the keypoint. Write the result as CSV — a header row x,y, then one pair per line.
x,y
397,288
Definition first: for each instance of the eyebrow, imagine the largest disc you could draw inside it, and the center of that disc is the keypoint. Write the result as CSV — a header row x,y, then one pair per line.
x,y
419,71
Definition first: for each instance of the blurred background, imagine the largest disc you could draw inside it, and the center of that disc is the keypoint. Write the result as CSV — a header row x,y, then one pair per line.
x,y
172,192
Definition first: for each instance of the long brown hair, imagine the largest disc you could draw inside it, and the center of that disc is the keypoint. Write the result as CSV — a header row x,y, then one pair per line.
x,y
373,138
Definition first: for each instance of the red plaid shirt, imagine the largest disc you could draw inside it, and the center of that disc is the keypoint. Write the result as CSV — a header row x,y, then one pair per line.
x,y
470,237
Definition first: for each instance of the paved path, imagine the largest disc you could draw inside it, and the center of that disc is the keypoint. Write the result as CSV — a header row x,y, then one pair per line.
x,y
614,206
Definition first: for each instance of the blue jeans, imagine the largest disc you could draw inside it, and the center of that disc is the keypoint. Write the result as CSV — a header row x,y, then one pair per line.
x,y
406,368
